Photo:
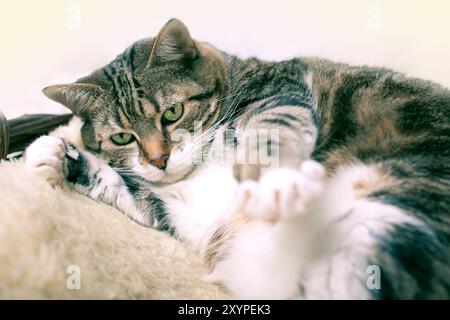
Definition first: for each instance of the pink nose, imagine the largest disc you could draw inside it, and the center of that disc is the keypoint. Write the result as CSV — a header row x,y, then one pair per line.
x,y
160,162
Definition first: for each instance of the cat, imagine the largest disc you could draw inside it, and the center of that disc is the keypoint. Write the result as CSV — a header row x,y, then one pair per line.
x,y
299,179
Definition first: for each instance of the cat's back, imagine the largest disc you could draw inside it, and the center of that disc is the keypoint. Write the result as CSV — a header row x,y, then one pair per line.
x,y
369,112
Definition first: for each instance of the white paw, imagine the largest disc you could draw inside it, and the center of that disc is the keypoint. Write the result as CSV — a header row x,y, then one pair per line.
x,y
281,193
45,157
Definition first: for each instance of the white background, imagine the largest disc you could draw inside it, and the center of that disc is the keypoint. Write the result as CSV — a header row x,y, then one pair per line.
x,y
47,42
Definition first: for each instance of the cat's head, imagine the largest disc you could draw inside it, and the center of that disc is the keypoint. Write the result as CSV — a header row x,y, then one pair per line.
x,y
140,111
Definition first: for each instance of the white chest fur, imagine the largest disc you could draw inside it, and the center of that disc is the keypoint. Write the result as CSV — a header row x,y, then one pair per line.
x,y
197,204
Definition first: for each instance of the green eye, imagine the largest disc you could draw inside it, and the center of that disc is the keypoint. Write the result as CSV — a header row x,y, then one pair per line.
x,y
122,138
173,113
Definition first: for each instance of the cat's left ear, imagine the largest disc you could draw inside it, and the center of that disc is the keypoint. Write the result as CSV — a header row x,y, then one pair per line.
x,y
75,96
174,42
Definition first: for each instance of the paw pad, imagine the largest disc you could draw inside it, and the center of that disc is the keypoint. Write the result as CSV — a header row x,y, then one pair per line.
x,y
281,193
45,157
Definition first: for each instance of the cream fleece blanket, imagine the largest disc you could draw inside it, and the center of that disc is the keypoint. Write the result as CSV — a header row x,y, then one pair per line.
x,y
45,231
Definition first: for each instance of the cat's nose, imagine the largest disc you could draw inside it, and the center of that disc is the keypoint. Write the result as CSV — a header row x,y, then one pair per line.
x,y
160,161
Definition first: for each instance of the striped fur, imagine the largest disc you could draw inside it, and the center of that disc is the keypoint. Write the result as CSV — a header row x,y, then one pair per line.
x,y
382,138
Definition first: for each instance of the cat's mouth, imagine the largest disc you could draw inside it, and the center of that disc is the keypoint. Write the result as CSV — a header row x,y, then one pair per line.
x,y
183,161
172,173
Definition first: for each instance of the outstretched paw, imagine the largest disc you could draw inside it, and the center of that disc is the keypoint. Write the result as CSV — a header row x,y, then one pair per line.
x,y
46,157
281,193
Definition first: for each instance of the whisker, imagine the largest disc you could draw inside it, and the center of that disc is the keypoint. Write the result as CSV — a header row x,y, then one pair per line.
x,y
209,133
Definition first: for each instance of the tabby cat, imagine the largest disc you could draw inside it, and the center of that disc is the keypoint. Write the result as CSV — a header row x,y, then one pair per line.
x,y
300,179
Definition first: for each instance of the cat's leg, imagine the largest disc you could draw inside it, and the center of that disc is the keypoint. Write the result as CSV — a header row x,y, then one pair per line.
x,y
271,234
62,163
289,239
384,243
279,131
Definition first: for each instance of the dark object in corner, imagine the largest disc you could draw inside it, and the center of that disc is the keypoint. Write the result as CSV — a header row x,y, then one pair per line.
x,y
16,134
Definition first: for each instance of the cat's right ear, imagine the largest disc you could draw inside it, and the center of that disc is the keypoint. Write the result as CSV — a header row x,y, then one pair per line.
x,y
75,96
173,43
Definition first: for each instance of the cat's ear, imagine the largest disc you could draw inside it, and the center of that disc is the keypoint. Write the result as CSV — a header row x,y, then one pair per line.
x,y
173,42
75,96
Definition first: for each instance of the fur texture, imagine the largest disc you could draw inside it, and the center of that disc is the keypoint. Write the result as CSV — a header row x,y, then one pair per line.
x,y
359,178
44,230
